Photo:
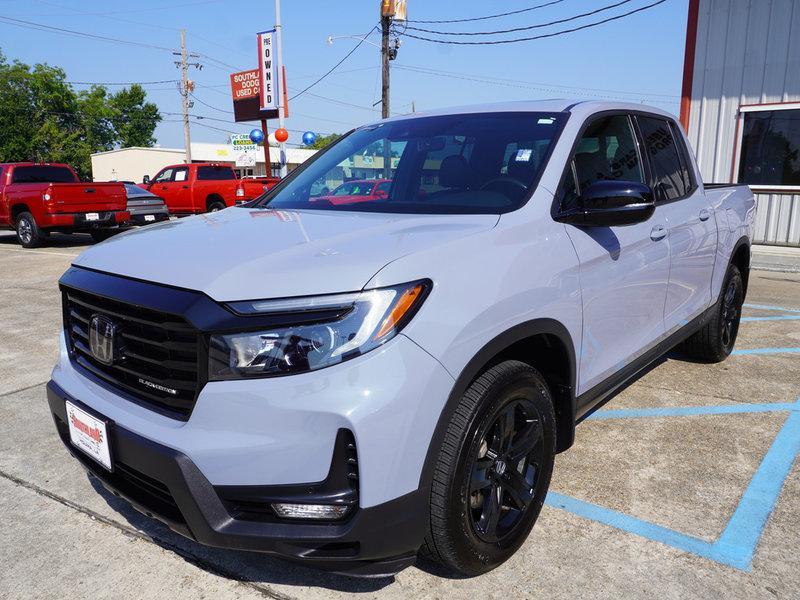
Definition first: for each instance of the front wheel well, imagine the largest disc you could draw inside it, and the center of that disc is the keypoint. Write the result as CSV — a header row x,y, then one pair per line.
x,y
549,355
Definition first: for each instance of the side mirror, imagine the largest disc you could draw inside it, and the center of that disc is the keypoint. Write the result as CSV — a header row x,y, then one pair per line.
x,y
146,179
609,203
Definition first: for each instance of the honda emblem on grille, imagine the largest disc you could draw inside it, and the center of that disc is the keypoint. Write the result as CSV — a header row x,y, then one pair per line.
x,y
102,339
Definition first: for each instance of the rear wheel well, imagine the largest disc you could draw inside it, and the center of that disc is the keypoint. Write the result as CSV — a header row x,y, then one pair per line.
x,y
17,210
214,199
741,258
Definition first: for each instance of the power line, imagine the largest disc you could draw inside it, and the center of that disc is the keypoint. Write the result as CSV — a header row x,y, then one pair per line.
x,y
72,32
545,87
535,37
333,68
526,28
120,82
505,14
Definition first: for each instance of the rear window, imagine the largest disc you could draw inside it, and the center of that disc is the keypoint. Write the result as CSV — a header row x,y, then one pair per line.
x,y
215,173
42,174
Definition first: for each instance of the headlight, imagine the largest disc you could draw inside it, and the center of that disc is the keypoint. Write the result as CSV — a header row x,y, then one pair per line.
x,y
370,318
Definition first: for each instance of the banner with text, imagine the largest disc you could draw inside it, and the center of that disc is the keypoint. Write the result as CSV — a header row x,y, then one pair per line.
x,y
268,70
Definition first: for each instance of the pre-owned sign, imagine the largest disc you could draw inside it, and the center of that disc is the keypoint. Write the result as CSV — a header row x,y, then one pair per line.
x,y
268,70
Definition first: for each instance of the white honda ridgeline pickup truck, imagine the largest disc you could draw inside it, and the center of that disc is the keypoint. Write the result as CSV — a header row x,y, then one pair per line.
x,y
352,383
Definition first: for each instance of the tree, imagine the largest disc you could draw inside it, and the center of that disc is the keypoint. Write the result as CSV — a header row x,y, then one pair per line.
x,y
42,118
324,140
133,119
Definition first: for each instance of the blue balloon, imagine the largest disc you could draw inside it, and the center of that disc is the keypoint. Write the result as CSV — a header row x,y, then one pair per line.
x,y
256,136
309,137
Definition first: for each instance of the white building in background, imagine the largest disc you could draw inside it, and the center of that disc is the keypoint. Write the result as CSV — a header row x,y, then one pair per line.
x,y
132,164
741,104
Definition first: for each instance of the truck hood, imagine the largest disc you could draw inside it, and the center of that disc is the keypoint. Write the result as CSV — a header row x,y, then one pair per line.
x,y
245,254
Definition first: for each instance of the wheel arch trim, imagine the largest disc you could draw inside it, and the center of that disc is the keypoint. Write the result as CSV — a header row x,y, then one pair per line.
x,y
564,398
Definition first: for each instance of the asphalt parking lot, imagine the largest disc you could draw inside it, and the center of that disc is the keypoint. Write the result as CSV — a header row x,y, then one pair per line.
x,y
685,484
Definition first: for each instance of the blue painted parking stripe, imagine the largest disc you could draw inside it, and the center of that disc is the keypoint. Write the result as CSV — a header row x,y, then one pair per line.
x,y
631,524
739,540
765,351
778,308
776,318
686,411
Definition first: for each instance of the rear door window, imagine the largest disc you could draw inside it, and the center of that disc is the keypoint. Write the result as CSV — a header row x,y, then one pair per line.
x,y
215,173
181,174
669,174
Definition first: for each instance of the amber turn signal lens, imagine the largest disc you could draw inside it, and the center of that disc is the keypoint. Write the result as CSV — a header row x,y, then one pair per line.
x,y
407,299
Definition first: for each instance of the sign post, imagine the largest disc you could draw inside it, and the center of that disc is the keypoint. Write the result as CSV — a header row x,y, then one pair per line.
x,y
278,30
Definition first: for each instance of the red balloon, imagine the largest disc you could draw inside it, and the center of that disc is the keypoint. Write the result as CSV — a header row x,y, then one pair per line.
x,y
281,134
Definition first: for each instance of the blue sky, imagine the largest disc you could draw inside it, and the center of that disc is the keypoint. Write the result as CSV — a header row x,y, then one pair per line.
x,y
638,58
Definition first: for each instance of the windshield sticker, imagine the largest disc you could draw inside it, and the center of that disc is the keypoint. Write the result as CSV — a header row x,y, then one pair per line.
x,y
523,155
548,121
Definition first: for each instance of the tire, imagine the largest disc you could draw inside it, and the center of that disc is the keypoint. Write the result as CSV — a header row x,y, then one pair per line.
x,y
28,233
476,454
714,342
216,206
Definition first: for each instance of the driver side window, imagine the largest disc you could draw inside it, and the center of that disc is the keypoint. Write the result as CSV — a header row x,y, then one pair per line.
x,y
607,150
164,176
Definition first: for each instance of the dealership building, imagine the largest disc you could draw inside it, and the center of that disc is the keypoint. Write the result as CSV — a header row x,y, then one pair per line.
x,y
132,164
741,104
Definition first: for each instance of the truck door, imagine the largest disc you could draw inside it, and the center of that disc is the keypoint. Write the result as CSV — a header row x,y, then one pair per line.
x,y
160,186
623,270
691,226
182,190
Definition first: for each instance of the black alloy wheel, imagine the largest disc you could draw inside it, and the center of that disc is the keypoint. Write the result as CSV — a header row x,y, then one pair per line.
x,y
730,314
505,470
493,469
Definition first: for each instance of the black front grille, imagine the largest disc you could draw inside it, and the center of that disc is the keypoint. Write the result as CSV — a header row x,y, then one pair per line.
x,y
159,358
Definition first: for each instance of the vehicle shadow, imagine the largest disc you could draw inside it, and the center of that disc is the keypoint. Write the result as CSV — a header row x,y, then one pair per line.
x,y
54,240
238,565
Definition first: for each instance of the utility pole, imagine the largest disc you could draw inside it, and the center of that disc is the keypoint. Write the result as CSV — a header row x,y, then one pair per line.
x,y
185,88
282,82
386,23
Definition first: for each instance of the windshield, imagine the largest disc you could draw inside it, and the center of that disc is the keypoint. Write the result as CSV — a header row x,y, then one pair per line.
x,y
452,164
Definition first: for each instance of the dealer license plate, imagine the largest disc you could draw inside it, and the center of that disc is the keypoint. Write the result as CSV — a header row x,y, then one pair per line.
x,y
89,435
92,216
149,217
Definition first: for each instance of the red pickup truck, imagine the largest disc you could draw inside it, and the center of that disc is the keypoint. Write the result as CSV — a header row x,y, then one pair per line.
x,y
37,198
204,187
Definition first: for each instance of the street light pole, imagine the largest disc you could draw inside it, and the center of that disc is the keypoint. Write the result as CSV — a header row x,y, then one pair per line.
x,y
281,83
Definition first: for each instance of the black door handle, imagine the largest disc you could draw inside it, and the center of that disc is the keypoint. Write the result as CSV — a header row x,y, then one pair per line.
x,y
89,190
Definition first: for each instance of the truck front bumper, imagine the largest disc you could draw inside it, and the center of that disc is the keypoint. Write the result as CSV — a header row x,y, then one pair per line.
x,y
166,485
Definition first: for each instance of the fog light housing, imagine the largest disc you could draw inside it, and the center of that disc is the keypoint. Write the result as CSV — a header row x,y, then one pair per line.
x,y
310,511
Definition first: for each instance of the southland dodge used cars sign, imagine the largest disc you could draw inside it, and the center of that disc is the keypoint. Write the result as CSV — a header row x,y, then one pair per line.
x,y
268,70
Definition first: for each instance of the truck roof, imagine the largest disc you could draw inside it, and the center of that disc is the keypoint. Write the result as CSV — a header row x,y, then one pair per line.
x,y
573,105
34,164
